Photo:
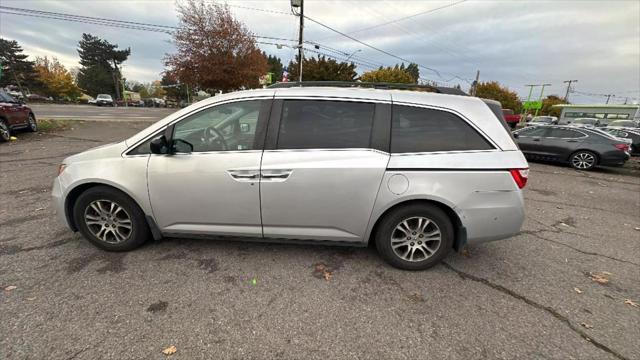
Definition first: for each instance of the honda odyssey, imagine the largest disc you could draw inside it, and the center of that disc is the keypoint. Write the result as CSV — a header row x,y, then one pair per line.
x,y
417,173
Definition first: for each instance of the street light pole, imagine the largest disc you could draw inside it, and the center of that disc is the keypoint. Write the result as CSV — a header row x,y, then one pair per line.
x,y
540,99
353,53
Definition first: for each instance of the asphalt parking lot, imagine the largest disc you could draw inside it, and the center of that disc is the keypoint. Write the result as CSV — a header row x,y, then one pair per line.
x,y
531,296
99,113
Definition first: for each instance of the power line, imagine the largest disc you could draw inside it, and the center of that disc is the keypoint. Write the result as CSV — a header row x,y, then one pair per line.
x,y
406,17
368,45
104,21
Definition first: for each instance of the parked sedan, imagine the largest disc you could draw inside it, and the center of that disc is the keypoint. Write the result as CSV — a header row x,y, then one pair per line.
x,y
586,122
582,148
627,133
543,120
14,115
104,99
624,124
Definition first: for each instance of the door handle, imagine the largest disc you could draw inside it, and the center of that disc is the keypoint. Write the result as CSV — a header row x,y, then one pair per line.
x,y
536,139
275,175
572,140
244,175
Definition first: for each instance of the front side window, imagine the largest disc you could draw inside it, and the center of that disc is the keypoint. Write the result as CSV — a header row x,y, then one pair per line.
x,y
225,127
415,129
532,131
324,124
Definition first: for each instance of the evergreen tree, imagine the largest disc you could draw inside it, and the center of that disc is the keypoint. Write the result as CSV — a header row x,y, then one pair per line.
x,y
16,69
100,60
323,69
275,66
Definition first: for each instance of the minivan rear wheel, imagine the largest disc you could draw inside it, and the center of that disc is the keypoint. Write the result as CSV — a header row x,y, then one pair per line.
x,y
110,220
415,237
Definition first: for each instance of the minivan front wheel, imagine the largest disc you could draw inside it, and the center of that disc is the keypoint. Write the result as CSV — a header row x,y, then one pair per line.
x,y
583,160
110,219
415,237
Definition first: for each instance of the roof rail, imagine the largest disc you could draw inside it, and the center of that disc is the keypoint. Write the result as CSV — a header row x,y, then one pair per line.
x,y
371,85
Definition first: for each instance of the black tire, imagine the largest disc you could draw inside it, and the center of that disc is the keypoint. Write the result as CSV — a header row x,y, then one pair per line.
x,y
583,160
137,235
387,228
5,132
33,124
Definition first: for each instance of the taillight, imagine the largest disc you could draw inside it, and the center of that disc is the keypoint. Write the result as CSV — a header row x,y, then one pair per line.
x,y
520,176
622,147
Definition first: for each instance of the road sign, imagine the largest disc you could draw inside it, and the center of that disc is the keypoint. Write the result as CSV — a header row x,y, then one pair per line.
x,y
532,105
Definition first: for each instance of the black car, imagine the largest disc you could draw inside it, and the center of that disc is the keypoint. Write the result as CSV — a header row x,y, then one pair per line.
x,y
582,148
627,133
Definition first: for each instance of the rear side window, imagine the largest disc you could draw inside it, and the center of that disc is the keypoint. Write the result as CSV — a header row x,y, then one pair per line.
x,y
564,133
415,129
322,124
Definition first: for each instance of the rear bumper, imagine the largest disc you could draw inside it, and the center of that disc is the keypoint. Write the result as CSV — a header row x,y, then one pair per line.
x,y
614,158
492,215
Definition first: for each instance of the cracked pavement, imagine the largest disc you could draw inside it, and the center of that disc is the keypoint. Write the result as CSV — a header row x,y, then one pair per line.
x,y
508,299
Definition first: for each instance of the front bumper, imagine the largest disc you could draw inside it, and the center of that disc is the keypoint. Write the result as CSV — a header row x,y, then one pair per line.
x,y
57,200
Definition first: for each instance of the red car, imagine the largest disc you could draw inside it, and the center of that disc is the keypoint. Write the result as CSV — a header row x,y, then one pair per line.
x,y
511,118
14,115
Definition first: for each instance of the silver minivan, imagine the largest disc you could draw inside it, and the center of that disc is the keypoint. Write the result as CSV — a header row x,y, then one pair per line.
x,y
417,173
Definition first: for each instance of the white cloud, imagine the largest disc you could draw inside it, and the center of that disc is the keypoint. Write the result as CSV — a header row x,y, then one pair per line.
x,y
513,42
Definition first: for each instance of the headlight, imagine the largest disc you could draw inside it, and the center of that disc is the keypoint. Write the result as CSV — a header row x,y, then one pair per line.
x,y
61,168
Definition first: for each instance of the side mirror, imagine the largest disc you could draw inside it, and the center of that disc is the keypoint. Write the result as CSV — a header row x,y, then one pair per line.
x,y
159,145
181,146
516,135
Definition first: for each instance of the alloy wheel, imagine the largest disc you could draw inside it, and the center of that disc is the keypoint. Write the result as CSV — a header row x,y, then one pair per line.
x,y
416,239
4,132
108,221
32,123
583,161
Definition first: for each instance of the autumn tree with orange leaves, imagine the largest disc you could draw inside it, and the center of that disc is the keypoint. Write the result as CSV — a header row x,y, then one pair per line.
x,y
215,51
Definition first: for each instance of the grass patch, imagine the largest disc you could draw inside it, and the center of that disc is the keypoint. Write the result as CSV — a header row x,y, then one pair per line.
x,y
52,125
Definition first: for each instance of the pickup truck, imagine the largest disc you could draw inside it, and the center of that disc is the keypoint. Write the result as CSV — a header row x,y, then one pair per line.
x,y
511,118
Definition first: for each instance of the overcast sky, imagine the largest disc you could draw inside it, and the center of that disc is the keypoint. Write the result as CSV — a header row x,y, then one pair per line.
x,y
513,42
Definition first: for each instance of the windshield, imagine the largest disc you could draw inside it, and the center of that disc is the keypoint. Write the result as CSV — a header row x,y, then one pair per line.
x,y
542,119
104,96
4,97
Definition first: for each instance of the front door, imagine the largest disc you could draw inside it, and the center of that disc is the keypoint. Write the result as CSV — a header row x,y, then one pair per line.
x,y
530,140
213,188
320,180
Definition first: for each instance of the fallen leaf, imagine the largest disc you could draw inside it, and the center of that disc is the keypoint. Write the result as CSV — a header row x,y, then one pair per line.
x,y
254,281
578,290
638,228
563,224
10,287
13,138
31,298
38,209
587,325
170,350
466,253
629,302
601,278
326,274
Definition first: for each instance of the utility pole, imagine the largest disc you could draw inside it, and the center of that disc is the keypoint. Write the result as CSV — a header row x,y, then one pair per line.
x,y
568,82
474,89
540,99
523,116
609,97
299,4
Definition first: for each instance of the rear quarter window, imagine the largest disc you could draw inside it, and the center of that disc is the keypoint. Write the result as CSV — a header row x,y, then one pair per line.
x,y
415,129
